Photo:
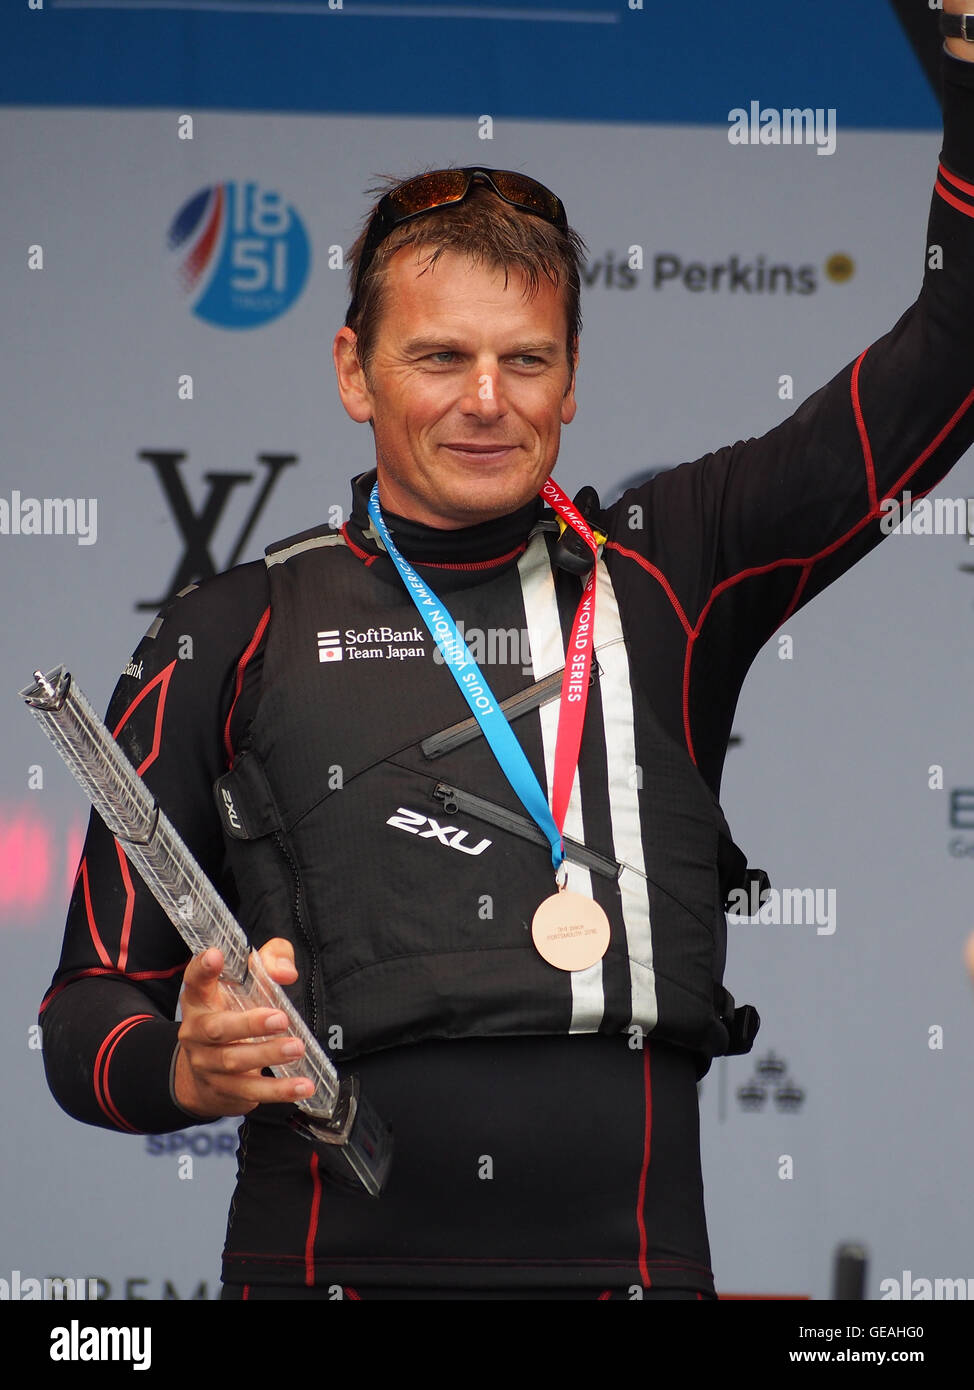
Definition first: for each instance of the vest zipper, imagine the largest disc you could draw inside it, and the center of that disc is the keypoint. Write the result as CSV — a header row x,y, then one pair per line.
x,y
523,702
453,800
312,992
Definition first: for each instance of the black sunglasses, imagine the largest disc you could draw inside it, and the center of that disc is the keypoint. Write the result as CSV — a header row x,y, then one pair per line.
x,y
442,187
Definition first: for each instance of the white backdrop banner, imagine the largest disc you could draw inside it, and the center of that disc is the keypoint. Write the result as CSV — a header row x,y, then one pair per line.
x,y
169,405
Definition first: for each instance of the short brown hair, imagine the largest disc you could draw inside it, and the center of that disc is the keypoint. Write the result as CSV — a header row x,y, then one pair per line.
x,y
483,227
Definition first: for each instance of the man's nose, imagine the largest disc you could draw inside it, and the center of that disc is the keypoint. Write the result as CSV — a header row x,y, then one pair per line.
x,y
483,395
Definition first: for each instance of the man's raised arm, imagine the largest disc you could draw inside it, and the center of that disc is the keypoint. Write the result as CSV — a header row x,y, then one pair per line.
x,y
784,515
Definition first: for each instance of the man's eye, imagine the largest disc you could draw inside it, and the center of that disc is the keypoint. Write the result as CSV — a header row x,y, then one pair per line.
x,y
525,358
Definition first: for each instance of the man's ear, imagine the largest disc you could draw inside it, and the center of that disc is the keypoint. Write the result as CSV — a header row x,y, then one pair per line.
x,y
353,388
568,403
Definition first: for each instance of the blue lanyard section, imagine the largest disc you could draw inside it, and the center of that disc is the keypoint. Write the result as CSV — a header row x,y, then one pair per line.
x,y
475,690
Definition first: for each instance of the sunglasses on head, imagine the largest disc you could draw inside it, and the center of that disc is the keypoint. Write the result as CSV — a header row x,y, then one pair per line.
x,y
443,187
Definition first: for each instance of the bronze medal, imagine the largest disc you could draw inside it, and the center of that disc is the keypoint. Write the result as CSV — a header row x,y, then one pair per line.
x,y
570,931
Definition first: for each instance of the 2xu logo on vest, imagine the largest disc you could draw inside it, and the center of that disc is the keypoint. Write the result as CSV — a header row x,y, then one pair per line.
x,y
415,823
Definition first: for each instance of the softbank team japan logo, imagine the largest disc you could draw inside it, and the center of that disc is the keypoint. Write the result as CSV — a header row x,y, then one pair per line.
x,y
371,644
243,254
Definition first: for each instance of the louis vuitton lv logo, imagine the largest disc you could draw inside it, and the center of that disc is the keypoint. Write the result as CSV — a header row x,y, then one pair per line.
x,y
197,528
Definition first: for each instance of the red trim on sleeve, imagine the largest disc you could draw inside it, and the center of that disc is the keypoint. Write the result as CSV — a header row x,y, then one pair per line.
x,y
123,865
249,650
809,561
660,577
867,453
966,208
96,940
687,735
802,581
805,562
647,1147
951,198
954,179
309,1244
934,444
111,970
162,680
102,1063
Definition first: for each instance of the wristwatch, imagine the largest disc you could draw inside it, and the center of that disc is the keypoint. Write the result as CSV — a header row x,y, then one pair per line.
x,y
957,26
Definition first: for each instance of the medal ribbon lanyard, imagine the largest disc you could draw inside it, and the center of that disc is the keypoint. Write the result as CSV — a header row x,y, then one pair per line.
x,y
479,696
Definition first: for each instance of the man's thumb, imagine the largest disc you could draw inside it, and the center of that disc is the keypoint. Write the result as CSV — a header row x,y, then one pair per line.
x,y
201,976
277,957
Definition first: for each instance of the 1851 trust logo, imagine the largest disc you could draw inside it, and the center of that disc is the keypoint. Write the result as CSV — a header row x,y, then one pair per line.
x,y
243,254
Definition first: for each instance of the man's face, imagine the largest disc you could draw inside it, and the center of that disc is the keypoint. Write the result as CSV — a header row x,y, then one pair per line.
x,y
469,389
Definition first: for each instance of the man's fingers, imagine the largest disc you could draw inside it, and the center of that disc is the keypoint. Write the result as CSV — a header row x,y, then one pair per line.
x,y
239,1059
208,1091
201,979
224,1050
277,957
237,1095
223,1025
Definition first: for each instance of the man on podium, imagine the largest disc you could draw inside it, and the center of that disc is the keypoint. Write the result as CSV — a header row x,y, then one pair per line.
x,y
493,879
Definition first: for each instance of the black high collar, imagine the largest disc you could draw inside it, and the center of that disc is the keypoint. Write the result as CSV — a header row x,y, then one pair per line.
x,y
498,540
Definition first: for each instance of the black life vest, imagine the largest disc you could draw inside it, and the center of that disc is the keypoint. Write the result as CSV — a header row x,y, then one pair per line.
x,y
368,821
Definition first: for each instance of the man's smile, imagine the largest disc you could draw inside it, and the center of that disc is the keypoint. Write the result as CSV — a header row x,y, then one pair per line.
x,y
487,452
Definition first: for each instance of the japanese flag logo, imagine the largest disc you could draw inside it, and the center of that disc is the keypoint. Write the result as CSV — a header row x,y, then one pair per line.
x,y
330,646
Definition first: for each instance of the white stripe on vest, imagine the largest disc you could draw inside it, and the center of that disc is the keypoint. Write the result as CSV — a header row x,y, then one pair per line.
x,y
618,715
547,655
